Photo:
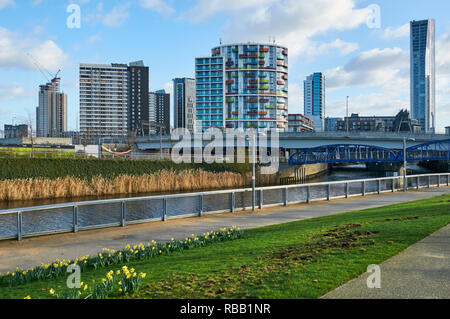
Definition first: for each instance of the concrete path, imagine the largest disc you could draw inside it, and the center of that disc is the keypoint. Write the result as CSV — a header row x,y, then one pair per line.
x,y
422,271
32,251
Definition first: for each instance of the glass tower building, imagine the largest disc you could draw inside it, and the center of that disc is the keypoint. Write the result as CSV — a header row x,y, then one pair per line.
x,y
314,100
184,103
423,74
243,86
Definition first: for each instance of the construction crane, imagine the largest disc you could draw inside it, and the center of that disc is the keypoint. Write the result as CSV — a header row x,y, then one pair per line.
x,y
42,69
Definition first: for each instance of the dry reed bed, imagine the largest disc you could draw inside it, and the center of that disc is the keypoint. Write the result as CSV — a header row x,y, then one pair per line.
x,y
163,181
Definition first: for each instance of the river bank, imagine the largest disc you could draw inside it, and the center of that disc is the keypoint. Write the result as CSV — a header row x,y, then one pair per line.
x,y
162,181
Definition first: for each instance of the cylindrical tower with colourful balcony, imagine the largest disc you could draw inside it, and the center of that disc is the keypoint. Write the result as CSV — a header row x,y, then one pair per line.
x,y
255,85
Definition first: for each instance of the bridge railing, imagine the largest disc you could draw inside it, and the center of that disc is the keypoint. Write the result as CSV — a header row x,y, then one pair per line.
x,y
78,216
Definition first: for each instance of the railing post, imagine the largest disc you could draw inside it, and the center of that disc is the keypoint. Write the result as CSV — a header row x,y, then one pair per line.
x,y
75,219
308,194
417,182
261,199
123,221
285,196
19,226
393,185
201,206
379,187
363,188
429,181
164,217
232,202
347,193
448,180
439,181
328,192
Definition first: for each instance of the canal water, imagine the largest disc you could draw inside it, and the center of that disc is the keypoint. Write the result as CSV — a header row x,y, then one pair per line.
x,y
339,173
105,214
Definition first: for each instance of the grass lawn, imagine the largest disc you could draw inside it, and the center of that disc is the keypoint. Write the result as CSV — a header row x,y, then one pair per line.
x,y
302,259
37,152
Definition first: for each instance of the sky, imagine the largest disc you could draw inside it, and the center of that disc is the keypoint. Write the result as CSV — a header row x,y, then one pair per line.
x,y
363,55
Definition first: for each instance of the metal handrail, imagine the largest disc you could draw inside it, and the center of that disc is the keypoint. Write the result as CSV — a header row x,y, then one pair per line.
x,y
195,194
283,200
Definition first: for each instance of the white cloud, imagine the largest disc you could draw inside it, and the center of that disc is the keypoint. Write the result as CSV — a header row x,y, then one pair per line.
x,y
6,3
395,33
157,5
168,87
294,23
10,92
341,46
14,49
371,68
117,17
295,98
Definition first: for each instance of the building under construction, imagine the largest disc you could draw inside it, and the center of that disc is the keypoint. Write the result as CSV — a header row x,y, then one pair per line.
x,y
51,114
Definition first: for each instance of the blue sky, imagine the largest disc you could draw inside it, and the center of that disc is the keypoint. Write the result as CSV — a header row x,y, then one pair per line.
x,y
371,65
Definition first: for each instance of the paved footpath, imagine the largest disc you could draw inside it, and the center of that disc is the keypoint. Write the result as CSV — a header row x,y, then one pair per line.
x,y
422,271
32,251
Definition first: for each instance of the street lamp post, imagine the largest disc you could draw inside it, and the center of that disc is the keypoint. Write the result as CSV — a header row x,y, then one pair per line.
x,y
254,173
405,163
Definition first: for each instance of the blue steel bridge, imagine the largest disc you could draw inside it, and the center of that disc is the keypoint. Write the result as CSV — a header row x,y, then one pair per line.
x,y
359,153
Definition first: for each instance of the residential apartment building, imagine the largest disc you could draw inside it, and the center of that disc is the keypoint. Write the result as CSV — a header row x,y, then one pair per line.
x,y
51,114
314,100
398,123
423,76
300,123
103,100
159,110
16,131
184,103
331,123
138,98
243,86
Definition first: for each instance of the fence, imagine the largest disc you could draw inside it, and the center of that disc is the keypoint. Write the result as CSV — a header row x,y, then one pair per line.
x,y
74,217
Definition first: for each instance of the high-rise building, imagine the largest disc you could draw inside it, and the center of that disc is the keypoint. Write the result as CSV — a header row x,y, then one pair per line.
x,y
423,74
243,86
159,110
51,114
184,103
103,100
138,85
314,99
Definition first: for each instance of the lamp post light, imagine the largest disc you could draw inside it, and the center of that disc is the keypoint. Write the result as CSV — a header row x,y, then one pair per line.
x,y
254,140
405,163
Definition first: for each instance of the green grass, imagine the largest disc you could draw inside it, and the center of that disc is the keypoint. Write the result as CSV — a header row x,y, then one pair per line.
x,y
302,259
20,168
36,152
